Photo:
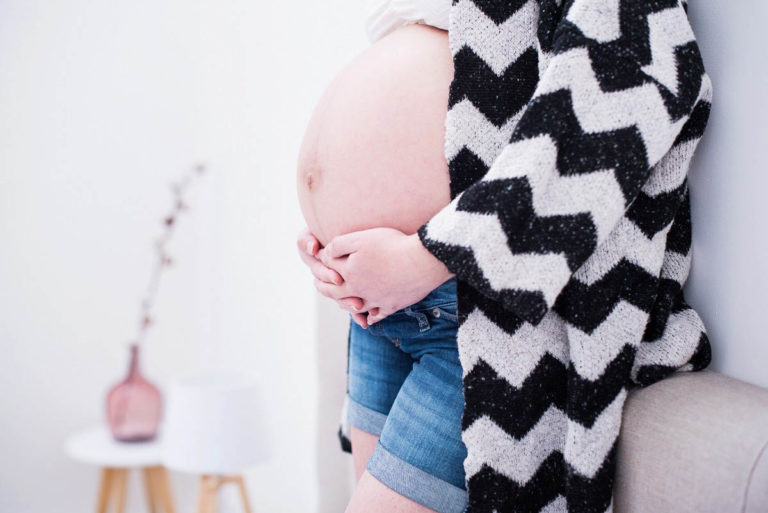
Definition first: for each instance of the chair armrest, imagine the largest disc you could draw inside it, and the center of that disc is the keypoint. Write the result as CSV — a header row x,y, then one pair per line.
x,y
694,442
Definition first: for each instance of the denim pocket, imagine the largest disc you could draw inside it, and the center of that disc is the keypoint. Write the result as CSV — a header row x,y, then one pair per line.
x,y
443,311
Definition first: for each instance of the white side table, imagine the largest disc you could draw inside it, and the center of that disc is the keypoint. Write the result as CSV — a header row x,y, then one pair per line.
x,y
97,447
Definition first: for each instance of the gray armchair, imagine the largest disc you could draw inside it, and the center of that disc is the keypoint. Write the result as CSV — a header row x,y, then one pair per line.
x,y
694,443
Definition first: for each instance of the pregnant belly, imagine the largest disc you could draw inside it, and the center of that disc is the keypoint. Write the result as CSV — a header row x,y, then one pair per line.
x,y
372,154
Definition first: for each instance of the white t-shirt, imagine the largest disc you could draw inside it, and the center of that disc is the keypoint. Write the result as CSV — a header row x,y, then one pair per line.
x,y
384,16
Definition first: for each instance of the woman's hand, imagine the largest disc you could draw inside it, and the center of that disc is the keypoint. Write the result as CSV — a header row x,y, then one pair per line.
x,y
308,246
388,269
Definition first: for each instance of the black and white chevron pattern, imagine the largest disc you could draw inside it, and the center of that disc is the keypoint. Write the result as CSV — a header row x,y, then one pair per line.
x,y
570,131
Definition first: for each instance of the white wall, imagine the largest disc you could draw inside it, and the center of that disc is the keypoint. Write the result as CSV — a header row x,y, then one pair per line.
x,y
729,280
336,477
102,104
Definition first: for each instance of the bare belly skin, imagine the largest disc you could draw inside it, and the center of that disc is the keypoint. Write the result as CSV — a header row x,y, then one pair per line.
x,y
372,153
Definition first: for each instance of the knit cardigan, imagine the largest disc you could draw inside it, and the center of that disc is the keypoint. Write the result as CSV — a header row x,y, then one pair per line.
x,y
570,131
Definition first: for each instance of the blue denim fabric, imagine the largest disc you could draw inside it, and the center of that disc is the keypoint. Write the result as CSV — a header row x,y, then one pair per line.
x,y
405,386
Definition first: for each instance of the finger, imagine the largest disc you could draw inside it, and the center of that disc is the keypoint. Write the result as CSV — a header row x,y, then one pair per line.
x,y
375,315
343,245
351,304
337,264
373,319
324,273
320,271
330,290
307,242
360,319
312,246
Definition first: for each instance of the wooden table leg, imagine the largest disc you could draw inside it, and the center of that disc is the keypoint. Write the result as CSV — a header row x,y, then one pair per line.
x,y
206,502
201,495
114,483
120,485
151,488
243,494
104,490
163,484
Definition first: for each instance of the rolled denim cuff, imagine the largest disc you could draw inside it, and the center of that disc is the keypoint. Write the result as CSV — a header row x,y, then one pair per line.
x,y
364,418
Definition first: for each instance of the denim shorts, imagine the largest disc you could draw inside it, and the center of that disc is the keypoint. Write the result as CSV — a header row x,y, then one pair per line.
x,y
404,384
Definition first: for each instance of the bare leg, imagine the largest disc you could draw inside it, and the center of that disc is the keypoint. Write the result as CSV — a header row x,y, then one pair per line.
x,y
372,496
363,445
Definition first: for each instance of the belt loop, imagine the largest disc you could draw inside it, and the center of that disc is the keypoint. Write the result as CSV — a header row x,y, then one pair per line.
x,y
422,318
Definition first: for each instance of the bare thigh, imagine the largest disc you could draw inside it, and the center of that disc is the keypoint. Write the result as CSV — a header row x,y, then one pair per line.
x,y
363,445
372,496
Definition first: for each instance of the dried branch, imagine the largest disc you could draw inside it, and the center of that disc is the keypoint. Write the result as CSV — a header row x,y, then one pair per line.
x,y
163,259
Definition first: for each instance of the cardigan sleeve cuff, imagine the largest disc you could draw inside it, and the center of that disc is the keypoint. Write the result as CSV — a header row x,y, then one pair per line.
x,y
530,306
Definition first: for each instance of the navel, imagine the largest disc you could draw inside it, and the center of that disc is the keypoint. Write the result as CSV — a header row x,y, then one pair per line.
x,y
309,181
312,177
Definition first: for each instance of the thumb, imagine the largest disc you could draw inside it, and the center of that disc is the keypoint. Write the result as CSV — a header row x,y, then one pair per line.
x,y
342,245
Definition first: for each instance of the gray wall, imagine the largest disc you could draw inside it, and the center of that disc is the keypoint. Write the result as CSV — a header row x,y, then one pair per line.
x,y
729,282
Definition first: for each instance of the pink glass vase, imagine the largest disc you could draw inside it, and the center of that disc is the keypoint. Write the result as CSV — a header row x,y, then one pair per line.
x,y
134,406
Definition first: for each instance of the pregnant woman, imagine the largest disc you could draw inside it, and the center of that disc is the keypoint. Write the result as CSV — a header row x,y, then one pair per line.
x,y
373,157
508,224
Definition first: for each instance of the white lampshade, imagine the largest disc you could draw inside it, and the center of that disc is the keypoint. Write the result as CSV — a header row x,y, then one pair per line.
x,y
214,425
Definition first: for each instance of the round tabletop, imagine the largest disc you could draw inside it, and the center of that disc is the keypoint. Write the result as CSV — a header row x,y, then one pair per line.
x,y
96,446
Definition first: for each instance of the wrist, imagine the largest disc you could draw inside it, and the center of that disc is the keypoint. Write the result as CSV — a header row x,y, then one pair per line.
x,y
435,268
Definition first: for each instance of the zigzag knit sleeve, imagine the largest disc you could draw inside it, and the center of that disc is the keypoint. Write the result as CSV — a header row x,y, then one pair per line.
x,y
621,81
